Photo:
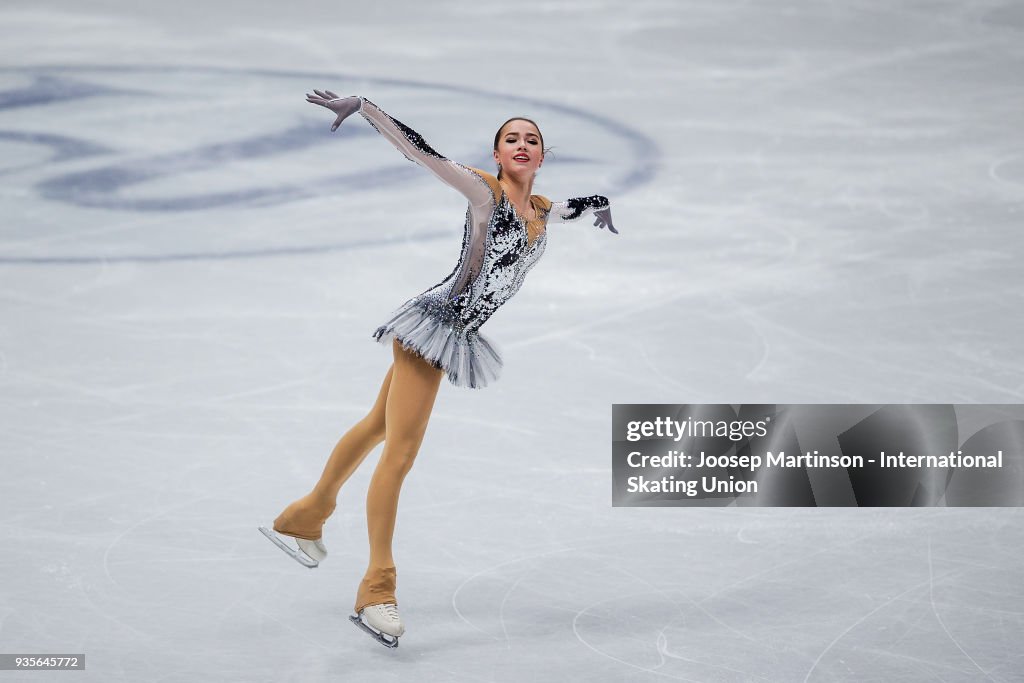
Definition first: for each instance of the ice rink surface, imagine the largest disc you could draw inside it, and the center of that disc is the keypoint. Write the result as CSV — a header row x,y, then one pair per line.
x,y
818,202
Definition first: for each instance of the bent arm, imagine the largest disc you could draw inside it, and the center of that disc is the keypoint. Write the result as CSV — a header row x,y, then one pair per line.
x,y
415,148
573,209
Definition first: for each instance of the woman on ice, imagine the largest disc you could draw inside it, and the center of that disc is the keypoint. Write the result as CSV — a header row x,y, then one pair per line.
x,y
434,334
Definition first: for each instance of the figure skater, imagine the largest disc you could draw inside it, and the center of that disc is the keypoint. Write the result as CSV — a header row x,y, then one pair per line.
x,y
433,334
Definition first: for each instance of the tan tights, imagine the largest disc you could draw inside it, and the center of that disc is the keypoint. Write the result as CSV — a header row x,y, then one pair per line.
x,y
399,419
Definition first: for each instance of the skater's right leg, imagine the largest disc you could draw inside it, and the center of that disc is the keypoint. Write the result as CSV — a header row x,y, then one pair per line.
x,y
305,517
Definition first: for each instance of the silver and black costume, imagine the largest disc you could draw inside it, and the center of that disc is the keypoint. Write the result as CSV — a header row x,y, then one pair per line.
x,y
442,324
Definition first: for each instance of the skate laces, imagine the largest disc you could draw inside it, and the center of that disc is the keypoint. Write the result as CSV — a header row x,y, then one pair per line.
x,y
391,611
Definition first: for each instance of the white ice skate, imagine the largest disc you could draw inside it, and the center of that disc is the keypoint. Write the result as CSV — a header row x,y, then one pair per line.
x,y
307,553
380,621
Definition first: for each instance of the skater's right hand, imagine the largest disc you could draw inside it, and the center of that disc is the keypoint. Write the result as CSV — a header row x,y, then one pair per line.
x,y
342,106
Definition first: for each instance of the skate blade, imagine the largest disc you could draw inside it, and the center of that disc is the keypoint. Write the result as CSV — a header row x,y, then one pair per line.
x,y
296,554
382,638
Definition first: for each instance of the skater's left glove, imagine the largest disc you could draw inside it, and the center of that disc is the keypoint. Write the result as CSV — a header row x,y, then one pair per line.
x,y
603,219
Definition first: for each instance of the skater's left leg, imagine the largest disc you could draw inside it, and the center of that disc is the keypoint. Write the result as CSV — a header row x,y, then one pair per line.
x,y
409,404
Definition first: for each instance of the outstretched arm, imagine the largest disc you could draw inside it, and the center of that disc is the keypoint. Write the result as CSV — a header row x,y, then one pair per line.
x,y
409,143
577,207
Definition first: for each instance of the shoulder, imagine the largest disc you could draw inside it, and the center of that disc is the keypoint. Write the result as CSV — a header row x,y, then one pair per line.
x,y
542,205
491,181
541,201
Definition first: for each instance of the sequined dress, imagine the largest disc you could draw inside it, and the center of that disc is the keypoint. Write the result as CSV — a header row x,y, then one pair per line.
x,y
442,323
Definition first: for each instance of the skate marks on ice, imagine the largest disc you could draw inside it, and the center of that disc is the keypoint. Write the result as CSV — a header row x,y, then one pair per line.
x,y
766,605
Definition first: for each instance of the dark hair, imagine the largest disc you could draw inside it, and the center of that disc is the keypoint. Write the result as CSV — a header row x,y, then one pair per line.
x,y
517,118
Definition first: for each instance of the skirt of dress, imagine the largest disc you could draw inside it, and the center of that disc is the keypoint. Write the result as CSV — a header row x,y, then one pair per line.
x,y
469,358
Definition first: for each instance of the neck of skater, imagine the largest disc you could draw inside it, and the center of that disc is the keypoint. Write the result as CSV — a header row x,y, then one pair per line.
x,y
519,191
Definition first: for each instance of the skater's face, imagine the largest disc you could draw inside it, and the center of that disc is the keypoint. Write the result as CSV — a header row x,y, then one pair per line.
x,y
519,149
